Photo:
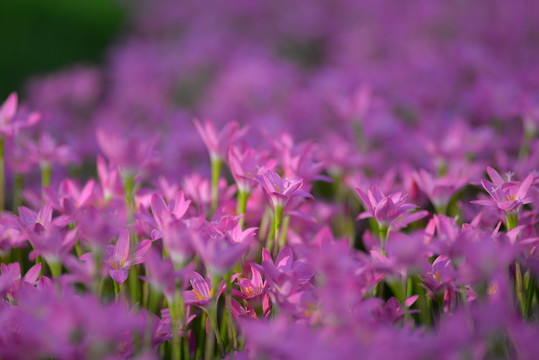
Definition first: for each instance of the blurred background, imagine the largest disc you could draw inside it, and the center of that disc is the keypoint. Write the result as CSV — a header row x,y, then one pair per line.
x,y
39,37
397,76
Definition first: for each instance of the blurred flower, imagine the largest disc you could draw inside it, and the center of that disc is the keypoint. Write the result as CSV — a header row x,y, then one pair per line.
x,y
388,210
218,143
118,259
9,125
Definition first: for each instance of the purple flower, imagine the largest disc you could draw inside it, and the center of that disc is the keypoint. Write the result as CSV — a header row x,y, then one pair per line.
x,y
118,259
219,142
202,290
245,163
387,210
217,250
9,126
46,152
175,210
253,287
508,196
279,191
439,189
130,154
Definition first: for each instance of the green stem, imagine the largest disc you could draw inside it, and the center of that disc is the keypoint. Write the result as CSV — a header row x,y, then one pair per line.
x,y
17,191
241,208
128,180
116,290
284,232
277,226
2,174
134,288
441,209
519,286
212,315
45,175
201,335
216,164
530,292
383,231
97,273
175,326
512,220
56,268
230,320
271,234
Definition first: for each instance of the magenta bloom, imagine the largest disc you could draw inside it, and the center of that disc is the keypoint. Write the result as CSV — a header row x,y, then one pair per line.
x,y
202,291
118,259
217,251
129,153
175,210
245,163
280,191
253,287
109,178
8,125
508,196
387,210
439,189
47,153
219,142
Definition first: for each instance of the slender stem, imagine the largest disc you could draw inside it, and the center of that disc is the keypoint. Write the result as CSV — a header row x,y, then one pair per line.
x,y
97,272
241,206
277,225
230,320
441,209
116,290
284,232
216,164
271,233
212,315
45,175
17,191
128,180
201,334
134,289
530,292
2,174
55,267
175,326
512,220
383,231
519,286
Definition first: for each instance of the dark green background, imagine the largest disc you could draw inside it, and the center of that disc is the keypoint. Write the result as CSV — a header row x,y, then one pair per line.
x,y
40,36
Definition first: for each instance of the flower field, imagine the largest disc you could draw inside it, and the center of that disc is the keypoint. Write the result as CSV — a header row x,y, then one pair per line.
x,y
279,180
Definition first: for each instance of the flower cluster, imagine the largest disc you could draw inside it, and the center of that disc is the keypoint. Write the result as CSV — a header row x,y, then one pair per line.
x,y
116,244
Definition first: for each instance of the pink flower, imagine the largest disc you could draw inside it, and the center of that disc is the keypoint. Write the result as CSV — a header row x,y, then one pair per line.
x,y
175,210
8,125
245,163
47,153
280,191
508,196
129,153
202,291
218,143
439,189
118,259
387,210
254,287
